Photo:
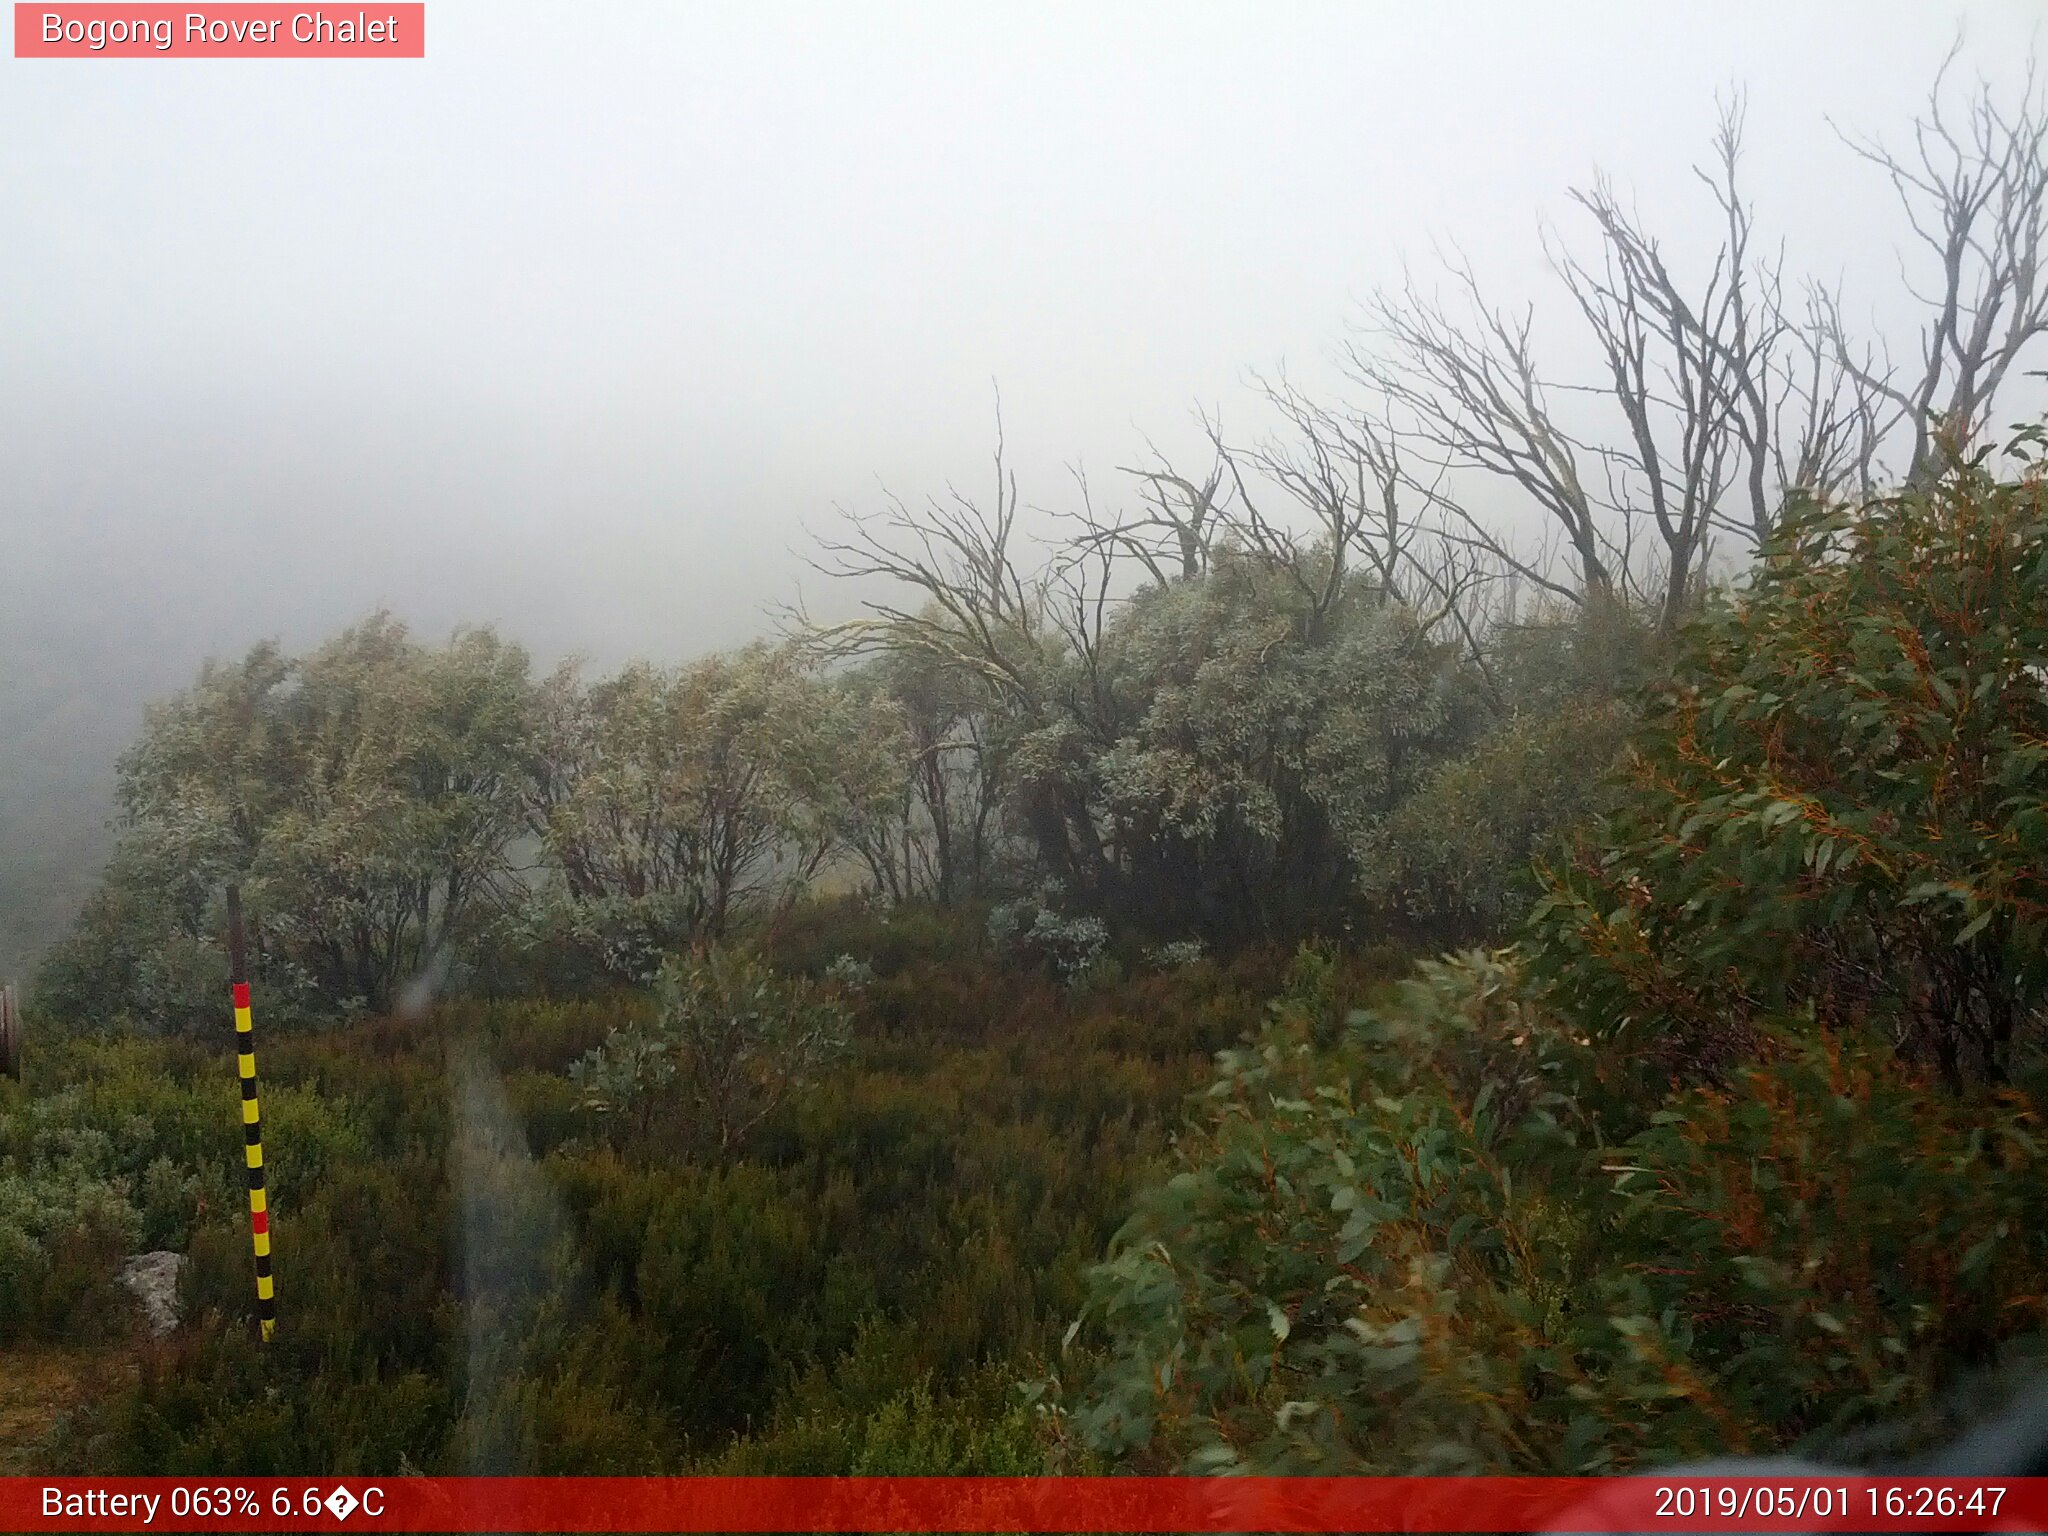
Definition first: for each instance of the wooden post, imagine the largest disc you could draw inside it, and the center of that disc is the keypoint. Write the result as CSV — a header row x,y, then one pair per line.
x,y
252,1116
10,1034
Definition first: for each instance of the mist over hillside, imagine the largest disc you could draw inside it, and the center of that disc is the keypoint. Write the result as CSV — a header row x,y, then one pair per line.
x,y
577,338
64,715
904,738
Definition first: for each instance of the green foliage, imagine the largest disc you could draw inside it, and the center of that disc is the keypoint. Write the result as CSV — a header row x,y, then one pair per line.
x,y
102,1164
982,1430
1487,1230
1455,859
1453,862
730,1041
814,934
1421,1253
469,1281
63,1234
1839,803
136,954
1468,1227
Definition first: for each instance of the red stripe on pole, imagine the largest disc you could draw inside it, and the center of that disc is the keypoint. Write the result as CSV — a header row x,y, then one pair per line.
x,y
241,994
1675,1501
259,1222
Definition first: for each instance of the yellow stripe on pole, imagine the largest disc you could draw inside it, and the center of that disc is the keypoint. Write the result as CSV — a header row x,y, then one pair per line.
x,y
252,1117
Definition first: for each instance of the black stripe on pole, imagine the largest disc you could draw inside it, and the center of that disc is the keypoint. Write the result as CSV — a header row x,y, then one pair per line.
x,y
252,1123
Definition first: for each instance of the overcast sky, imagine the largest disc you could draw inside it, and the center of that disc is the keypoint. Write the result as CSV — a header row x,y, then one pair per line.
x,y
574,324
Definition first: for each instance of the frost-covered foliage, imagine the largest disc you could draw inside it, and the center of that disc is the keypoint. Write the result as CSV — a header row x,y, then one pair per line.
x,y
850,973
1034,931
940,833
1267,743
1266,746
556,941
1219,755
1263,749
1177,953
364,795
670,801
393,809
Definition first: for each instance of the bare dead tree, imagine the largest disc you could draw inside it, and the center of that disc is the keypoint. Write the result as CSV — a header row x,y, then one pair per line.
x,y
1469,388
1335,477
979,613
1081,593
1180,521
1975,195
1829,424
1349,471
980,608
1313,471
1803,422
1728,407
1677,402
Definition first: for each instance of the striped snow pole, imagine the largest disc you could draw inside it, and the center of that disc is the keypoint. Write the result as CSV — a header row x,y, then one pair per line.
x,y
252,1117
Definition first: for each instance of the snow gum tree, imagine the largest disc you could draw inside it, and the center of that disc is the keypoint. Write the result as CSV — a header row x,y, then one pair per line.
x,y
365,795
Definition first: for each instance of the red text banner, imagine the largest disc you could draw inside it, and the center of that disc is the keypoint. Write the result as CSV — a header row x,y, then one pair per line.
x,y
234,31
1674,1502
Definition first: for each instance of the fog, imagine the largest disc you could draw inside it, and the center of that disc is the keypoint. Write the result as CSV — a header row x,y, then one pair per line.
x,y
576,324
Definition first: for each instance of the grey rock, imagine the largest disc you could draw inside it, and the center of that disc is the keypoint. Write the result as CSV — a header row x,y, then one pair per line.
x,y
153,1277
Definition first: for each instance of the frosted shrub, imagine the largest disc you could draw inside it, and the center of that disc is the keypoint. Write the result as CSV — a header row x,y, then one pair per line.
x,y
1033,932
851,973
1179,953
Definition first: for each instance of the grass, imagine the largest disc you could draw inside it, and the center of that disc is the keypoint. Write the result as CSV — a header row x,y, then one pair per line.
x,y
41,1386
